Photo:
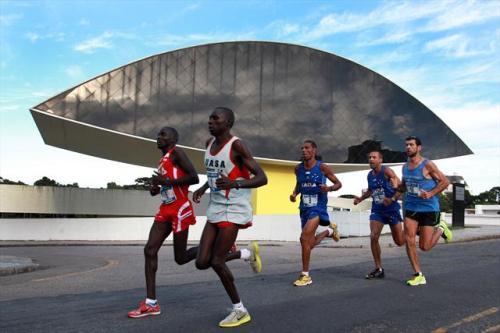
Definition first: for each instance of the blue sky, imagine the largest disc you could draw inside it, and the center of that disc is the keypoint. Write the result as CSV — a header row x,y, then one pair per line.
x,y
445,53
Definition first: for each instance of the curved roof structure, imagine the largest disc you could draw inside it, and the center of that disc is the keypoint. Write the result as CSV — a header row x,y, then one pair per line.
x,y
280,93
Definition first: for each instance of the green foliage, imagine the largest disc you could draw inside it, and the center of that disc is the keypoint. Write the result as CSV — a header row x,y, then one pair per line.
x,y
10,182
46,181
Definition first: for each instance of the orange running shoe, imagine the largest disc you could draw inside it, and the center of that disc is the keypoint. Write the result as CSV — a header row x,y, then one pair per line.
x,y
145,310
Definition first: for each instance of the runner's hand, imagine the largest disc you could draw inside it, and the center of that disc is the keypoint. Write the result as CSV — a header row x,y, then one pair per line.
x,y
198,194
224,183
425,195
357,200
293,197
324,188
154,190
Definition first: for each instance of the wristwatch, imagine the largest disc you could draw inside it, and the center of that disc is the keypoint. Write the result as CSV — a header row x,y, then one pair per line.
x,y
238,184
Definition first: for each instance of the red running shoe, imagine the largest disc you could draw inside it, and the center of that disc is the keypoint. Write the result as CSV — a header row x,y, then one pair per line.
x,y
145,310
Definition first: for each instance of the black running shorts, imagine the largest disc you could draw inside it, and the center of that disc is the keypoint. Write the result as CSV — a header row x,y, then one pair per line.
x,y
424,219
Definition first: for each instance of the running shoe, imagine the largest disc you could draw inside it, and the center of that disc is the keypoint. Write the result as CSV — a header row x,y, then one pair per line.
x,y
255,260
145,310
447,234
335,233
377,273
236,318
417,279
303,280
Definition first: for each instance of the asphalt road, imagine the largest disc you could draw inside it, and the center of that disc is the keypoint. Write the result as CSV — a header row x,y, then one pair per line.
x,y
91,288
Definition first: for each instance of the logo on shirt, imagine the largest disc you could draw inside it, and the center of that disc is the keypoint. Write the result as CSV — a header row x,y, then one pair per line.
x,y
210,163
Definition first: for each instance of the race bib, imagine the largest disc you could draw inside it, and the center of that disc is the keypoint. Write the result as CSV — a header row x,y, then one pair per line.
x,y
211,179
167,194
413,188
378,196
310,200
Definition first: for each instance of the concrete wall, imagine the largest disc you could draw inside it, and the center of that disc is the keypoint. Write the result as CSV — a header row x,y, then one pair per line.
x,y
68,200
266,227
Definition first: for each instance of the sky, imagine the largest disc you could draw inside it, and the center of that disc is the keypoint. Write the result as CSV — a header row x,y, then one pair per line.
x,y
444,53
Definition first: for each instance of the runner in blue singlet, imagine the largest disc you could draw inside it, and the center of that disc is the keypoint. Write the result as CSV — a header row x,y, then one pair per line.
x,y
423,182
311,184
382,184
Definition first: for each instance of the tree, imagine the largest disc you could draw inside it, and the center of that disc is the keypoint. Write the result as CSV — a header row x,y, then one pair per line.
x,y
113,186
10,182
45,181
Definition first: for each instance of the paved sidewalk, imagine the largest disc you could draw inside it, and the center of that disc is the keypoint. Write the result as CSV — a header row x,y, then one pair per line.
x,y
14,265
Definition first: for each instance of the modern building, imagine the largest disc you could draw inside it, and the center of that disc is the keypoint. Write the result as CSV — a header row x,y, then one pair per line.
x,y
281,94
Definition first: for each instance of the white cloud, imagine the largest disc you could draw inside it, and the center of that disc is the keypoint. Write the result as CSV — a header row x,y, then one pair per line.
x,y
459,46
74,71
175,40
425,16
9,19
464,13
103,41
100,42
396,37
33,37
84,22
9,107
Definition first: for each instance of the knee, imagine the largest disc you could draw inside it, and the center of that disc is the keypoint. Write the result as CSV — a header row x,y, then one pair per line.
x,y
150,251
202,264
305,238
424,246
217,263
400,242
410,239
374,236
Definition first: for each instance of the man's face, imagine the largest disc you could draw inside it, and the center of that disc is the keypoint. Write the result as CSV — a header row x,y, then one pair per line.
x,y
308,151
217,122
412,149
374,159
164,138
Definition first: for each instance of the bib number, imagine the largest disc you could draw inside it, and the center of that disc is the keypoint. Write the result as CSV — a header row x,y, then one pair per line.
x,y
310,200
378,196
167,194
211,179
413,189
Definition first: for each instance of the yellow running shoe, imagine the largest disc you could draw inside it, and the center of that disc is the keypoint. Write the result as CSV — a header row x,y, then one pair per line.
x,y
335,233
447,234
236,318
255,260
303,280
417,279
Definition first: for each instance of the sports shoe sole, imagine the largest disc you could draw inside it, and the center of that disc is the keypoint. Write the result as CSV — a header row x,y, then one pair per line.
x,y
145,314
303,285
242,321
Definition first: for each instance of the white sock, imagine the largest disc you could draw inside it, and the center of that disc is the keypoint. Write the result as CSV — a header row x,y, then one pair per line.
x,y
151,302
238,306
305,273
245,254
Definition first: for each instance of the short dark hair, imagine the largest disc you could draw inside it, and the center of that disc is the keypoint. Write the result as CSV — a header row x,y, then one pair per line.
x,y
229,114
171,131
313,143
416,138
376,151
